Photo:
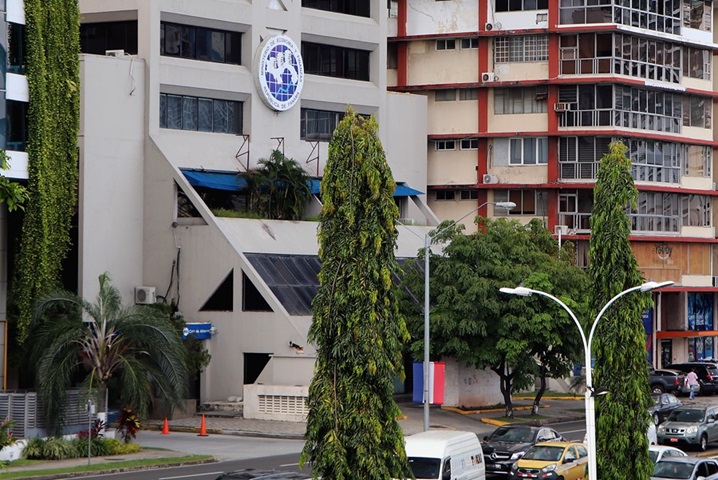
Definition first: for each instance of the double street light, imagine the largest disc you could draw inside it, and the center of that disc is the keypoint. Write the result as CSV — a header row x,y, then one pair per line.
x,y
587,343
427,246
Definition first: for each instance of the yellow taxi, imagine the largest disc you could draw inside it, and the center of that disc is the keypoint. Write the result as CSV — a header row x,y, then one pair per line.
x,y
553,461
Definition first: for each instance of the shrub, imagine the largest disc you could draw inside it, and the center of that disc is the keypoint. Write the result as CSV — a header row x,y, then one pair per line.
x,y
124,448
98,426
98,448
57,448
128,424
34,448
6,436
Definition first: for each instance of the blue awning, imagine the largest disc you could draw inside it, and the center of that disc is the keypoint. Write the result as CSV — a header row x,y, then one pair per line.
x,y
215,180
233,181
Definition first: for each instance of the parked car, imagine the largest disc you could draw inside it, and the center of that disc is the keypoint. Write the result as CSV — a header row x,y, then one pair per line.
x,y
684,468
664,380
695,426
440,454
707,375
663,405
552,461
659,452
508,443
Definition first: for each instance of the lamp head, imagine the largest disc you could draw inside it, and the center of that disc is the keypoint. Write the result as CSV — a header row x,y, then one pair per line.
x,y
507,205
649,286
520,291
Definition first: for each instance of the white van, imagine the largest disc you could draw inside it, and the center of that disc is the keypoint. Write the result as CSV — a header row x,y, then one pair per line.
x,y
445,455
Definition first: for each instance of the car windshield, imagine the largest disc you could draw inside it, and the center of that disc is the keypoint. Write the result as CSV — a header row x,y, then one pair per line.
x,y
656,399
667,469
513,435
425,467
689,415
544,453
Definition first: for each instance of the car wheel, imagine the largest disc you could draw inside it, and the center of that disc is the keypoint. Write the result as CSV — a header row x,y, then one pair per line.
x,y
704,443
656,419
658,389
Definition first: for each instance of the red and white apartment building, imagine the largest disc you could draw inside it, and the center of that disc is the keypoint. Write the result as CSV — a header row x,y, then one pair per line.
x,y
524,97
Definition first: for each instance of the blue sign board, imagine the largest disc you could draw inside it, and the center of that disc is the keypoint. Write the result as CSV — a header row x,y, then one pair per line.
x,y
200,331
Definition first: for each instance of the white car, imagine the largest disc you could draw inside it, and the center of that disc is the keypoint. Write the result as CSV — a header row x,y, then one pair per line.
x,y
658,452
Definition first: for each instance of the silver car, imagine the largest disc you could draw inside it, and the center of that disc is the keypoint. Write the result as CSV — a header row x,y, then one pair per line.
x,y
694,426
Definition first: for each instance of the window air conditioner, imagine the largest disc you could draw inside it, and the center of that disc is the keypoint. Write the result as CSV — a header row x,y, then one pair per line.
x,y
561,107
489,77
560,230
491,178
115,53
145,295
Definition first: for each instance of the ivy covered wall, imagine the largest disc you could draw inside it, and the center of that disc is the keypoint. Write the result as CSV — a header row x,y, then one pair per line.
x,y
52,69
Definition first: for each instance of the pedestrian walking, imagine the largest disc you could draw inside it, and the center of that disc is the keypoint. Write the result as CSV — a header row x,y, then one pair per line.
x,y
692,383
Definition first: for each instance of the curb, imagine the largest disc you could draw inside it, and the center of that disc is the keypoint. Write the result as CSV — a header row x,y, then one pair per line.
x,y
109,470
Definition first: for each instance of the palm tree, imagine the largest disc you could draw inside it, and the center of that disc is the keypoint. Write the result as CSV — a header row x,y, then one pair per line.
x,y
280,187
139,346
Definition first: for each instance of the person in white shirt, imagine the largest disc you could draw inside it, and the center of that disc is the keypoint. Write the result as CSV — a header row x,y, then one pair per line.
x,y
692,383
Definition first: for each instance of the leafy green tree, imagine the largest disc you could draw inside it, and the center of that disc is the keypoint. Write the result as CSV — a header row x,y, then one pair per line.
x,y
53,122
279,188
352,431
475,323
138,345
620,340
12,194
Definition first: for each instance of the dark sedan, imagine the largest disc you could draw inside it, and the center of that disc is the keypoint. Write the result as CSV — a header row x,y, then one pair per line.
x,y
508,443
663,405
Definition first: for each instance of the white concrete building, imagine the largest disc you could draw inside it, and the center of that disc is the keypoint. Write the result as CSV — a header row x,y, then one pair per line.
x,y
170,99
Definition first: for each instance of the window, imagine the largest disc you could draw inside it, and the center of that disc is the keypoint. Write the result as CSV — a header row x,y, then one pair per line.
x,y
697,111
467,43
697,160
318,124
519,100
16,126
659,16
528,202
697,14
445,95
468,94
529,48
520,5
470,144
16,42
697,63
359,8
696,210
469,194
182,112
656,212
97,38
440,145
333,61
200,43
445,194
528,151
446,44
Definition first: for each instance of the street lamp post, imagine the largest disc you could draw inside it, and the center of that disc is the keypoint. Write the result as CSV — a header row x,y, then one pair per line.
x,y
587,343
427,246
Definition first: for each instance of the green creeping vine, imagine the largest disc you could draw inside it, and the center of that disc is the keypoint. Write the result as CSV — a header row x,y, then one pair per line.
x,y
53,47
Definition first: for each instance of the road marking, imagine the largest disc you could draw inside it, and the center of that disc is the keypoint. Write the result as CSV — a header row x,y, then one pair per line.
x,y
188,476
290,465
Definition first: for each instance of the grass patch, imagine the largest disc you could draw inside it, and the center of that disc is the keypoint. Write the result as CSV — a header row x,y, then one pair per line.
x,y
149,462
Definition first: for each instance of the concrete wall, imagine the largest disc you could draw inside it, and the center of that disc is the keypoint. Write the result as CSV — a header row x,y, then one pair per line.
x,y
466,386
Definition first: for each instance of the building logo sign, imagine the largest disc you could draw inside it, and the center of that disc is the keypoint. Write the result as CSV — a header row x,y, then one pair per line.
x,y
279,72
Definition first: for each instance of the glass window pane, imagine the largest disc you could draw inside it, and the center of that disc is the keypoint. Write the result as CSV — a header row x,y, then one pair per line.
x,y
515,151
163,111
173,39
187,42
218,46
189,113
529,151
202,42
205,115
174,111
220,116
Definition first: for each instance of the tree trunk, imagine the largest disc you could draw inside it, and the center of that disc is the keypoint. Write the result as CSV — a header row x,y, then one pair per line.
x,y
505,380
537,399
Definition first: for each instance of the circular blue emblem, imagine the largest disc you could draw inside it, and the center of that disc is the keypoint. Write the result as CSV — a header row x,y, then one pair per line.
x,y
279,72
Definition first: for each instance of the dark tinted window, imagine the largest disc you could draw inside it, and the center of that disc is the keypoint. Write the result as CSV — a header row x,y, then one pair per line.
x,y
97,38
199,43
349,7
333,61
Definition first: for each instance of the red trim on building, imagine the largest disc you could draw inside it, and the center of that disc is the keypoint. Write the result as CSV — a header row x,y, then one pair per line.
x,y
660,335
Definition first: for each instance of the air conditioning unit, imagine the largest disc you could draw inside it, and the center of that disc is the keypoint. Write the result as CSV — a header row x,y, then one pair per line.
x,y
115,53
560,230
489,26
561,107
145,295
489,77
491,178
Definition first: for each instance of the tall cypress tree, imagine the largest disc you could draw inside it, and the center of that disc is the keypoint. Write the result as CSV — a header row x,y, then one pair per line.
x,y
620,339
352,430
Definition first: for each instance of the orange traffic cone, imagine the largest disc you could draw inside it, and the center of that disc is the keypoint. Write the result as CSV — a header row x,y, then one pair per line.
x,y
166,427
202,428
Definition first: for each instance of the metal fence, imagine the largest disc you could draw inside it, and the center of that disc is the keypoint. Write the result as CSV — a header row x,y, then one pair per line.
x,y
25,408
